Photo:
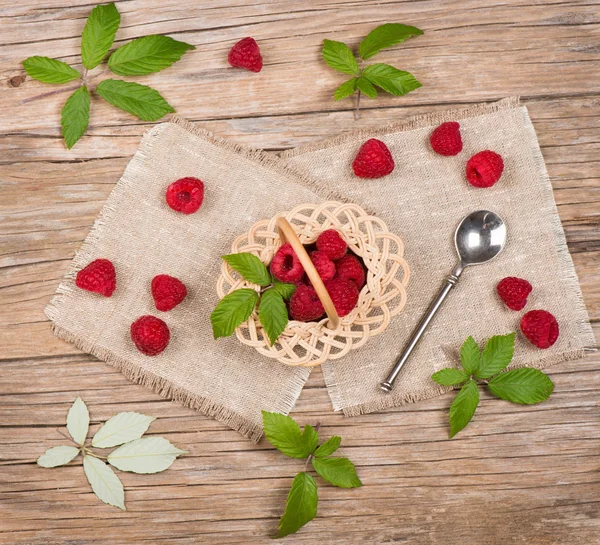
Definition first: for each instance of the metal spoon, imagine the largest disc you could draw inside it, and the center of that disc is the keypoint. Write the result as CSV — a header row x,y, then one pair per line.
x,y
479,238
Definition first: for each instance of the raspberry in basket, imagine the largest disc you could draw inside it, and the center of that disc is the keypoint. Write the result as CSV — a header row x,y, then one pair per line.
x,y
246,54
514,292
99,277
446,139
305,305
185,195
484,168
373,160
540,327
325,267
344,295
332,244
285,265
150,335
349,267
167,291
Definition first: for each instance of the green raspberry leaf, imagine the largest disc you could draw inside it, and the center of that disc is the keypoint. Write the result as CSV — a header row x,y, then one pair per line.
x,y
49,70
450,376
345,89
496,355
285,290
328,447
470,356
147,55
234,309
390,79
285,435
75,116
340,57
337,471
366,87
301,505
250,267
385,36
273,314
525,386
139,100
99,34
463,407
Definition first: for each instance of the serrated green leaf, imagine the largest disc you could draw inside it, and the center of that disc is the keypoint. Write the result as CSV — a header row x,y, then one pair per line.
x,y
58,456
450,376
366,87
470,355
328,447
385,36
250,267
78,421
284,434
49,70
301,505
339,472
273,314
463,407
145,455
139,100
496,355
390,79
525,386
311,438
233,310
340,57
345,89
99,34
105,484
147,55
75,116
284,289
121,428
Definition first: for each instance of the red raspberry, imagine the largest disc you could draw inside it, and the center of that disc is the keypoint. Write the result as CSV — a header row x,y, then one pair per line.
x,y
484,168
540,328
246,54
99,276
305,305
446,139
285,265
373,160
349,267
150,335
325,267
514,291
185,195
167,291
332,244
344,295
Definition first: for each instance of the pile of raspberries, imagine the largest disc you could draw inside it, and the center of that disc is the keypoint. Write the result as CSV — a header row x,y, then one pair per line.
x,y
342,273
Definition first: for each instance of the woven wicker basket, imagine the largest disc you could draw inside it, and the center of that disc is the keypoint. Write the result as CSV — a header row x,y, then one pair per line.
x,y
382,297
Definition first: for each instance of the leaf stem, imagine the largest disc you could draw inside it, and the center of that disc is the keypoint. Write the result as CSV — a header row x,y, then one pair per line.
x,y
69,438
310,456
51,93
86,450
356,112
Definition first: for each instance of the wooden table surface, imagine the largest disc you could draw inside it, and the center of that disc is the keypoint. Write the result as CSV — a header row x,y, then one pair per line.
x,y
525,475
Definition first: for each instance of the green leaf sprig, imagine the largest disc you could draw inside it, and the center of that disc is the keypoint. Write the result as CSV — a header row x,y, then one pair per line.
x,y
396,82
236,307
136,453
286,436
525,385
139,57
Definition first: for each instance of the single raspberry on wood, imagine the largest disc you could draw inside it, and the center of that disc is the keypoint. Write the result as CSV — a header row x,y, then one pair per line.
x,y
540,327
305,305
150,335
332,244
484,168
99,277
446,139
344,295
373,160
514,292
246,54
167,291
349,267
185,195
325,267
285,265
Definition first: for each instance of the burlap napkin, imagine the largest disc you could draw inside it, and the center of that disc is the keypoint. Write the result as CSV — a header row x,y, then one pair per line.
x,y
422,201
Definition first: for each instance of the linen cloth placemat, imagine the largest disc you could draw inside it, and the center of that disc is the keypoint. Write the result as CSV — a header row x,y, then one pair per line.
x,y
423,200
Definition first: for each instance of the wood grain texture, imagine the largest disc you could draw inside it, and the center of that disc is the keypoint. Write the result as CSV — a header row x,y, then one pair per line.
x,y
515,475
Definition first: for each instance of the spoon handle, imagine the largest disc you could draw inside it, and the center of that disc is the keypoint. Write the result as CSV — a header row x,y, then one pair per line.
x,y
450,281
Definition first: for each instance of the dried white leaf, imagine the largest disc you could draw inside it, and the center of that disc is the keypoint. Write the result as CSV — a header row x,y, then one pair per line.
x,y
57,456
146,455
105,484
78,421
121,428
